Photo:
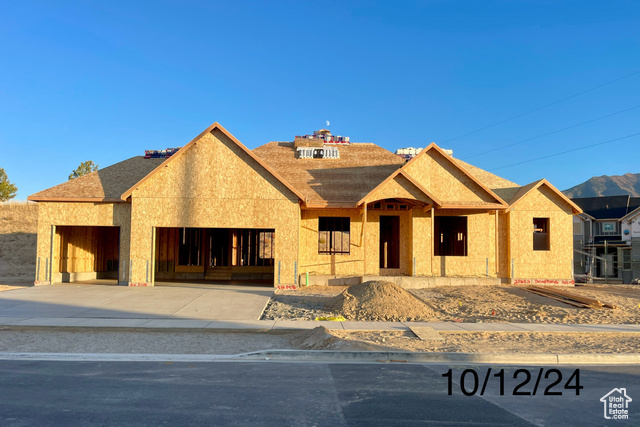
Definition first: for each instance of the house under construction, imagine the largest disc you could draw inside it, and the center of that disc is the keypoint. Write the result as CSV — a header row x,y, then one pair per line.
x,y
312,210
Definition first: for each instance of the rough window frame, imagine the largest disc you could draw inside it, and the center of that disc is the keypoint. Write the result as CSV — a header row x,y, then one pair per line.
x,y
451,235
541,234
334,235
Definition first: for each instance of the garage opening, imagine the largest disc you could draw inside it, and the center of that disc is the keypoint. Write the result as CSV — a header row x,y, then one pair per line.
x,y
215,255
84,253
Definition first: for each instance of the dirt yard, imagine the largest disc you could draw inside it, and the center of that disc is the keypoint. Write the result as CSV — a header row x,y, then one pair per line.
x,y
471,342
18,228
470,304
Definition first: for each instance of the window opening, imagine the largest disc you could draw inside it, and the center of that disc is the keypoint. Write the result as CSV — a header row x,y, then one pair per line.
x,y
450,235
541,234
334,235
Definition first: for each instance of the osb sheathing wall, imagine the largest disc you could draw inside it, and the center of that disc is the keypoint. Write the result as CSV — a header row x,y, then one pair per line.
x,y
398,188
481,247
214,184
352,264
552,264
445,181
86,214
335,264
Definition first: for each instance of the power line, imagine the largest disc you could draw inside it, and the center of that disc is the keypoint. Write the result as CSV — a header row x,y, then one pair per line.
x,y
552,132
544,106
567,151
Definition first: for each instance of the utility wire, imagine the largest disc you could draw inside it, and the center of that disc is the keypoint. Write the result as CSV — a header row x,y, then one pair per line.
x,y
551,133
567,151
544,106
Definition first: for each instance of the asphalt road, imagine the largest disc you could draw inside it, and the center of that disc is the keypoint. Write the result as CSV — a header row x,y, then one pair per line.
x,y
49,393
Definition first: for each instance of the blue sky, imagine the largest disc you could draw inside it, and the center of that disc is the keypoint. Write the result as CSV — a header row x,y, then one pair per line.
x,y
104,81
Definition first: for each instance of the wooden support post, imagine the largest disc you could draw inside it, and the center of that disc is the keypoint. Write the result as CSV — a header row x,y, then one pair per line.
x,y
364,240
433,237
53,233
153,257
497,254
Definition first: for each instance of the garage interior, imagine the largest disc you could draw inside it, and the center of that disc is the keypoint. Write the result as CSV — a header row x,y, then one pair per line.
x,y
85,253
215,254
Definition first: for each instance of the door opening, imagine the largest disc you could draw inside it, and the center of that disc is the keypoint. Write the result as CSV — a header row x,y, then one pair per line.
x,y
389,242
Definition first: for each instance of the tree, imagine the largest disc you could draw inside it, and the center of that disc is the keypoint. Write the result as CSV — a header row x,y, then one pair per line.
x,y
83,169
7,189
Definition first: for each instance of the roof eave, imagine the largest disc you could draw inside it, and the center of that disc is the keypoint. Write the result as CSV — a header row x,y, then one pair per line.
x,y
36,198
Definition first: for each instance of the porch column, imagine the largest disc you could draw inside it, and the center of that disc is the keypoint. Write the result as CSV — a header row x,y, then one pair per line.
x,y
497,255
433,237
364,239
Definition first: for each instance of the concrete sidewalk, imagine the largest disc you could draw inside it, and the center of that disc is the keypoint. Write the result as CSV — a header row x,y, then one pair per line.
x,y
267,325
203,307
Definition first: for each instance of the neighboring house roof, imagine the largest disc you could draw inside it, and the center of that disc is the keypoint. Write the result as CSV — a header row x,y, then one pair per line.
x,y
334,182
104,185
608,207
523,191
631,214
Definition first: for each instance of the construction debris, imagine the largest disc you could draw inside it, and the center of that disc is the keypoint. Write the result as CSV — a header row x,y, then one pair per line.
x,y
569,298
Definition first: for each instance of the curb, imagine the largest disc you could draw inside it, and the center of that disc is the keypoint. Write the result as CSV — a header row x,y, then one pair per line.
x,y
330,356
444,357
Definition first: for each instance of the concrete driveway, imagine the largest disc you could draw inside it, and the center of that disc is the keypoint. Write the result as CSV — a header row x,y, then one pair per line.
x,y
164,301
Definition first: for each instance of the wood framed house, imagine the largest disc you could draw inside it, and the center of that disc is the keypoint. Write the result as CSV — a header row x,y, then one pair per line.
x,y
607,244
216,210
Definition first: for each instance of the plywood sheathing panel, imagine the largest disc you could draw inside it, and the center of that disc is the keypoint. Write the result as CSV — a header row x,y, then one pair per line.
x,y
399,188
447,181
352,264
82,214
555,263
215,184
480,247
335,264
422,238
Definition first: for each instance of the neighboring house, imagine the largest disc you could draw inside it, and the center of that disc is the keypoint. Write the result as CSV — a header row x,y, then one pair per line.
x,y
288,212
603,241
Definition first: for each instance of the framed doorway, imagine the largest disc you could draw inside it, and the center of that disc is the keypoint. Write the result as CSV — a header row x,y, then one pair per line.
x,y
389,242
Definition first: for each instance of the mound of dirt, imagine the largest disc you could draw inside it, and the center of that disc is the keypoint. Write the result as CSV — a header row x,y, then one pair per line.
x,y
379,301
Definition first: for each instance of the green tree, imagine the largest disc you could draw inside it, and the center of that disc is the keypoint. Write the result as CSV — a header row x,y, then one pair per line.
x,y
7,189
83,169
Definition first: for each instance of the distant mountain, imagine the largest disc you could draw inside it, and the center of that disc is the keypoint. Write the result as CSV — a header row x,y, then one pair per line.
x,y
615,185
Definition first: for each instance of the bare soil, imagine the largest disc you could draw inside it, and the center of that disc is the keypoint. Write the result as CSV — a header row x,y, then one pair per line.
x,y
492,342
464,304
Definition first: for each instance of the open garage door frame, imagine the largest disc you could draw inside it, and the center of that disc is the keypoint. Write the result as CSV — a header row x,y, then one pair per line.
x,y
84,253
215,254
